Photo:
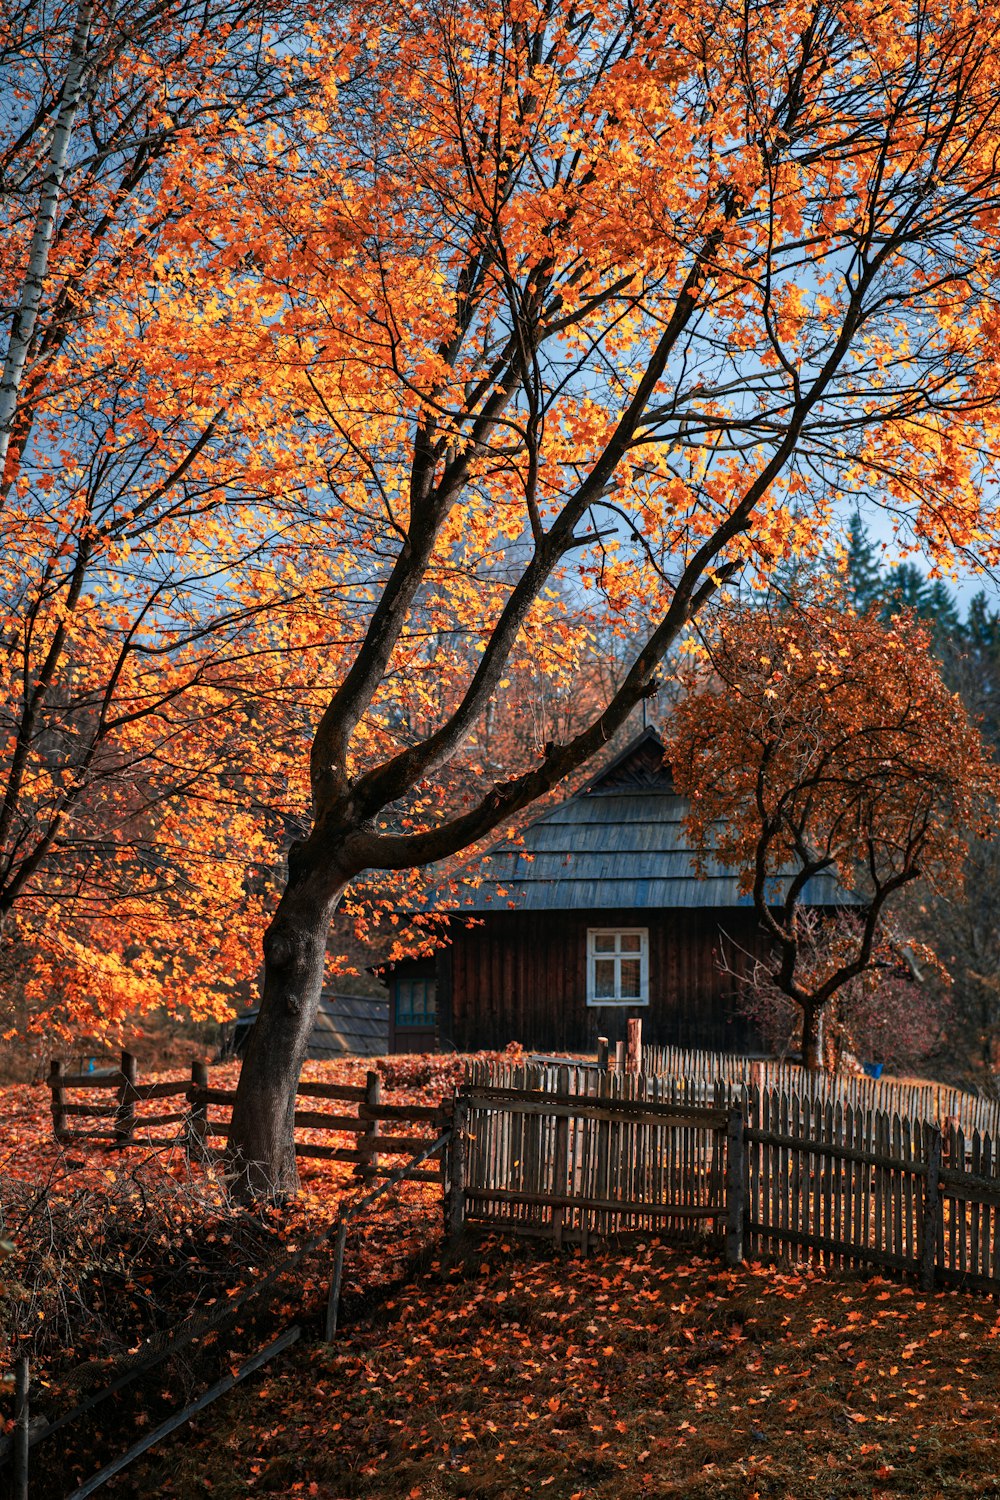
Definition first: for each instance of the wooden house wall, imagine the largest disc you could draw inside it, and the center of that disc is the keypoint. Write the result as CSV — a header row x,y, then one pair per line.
x,y
412,1038
522,976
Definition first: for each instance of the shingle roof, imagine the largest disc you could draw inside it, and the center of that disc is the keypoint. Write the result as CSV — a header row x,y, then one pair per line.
x,y
619,843
356,1024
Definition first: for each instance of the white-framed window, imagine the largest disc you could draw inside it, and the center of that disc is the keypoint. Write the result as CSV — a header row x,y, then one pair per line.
x,y
618,966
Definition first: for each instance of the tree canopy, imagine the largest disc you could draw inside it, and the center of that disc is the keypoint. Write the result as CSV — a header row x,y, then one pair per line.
x,y
823,743
365,335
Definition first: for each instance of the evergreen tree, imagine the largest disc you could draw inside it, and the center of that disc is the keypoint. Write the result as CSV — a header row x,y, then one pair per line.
x,y
864,577
906,588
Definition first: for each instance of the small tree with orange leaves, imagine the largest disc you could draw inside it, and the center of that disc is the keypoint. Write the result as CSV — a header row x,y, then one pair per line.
x,y
824,743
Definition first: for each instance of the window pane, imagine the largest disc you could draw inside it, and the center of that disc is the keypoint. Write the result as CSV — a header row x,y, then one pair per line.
x,y
416,1002
631,942
604,978
604,942
631,979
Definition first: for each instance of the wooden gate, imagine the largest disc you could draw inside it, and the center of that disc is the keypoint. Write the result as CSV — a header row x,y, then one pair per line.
x,y
603,1157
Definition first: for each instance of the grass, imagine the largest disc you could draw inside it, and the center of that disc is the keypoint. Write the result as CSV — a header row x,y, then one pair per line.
x,y
510,1370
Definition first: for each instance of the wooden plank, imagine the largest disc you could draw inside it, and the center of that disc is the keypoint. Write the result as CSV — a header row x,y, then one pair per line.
x,y
967,1280
169,1089
613,1205
317,1119
695,1114
91,1080
973,1181
89,1135
975,1211
735,1199
152,1122
326,1153
404,1112
348,1092
830,1148
839,1247
57,1083
636,1112
929,1218
212,1096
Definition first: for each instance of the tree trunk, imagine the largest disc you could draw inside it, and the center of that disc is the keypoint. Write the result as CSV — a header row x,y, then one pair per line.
x,y
261,1150
812,1038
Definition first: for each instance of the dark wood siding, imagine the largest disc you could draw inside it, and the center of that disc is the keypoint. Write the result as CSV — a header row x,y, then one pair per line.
x,y
412,1038
522,976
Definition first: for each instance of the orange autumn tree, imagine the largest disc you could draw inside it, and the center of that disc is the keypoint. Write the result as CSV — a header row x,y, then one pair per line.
x,y
172,614
136,813
339,353
629,295
821,743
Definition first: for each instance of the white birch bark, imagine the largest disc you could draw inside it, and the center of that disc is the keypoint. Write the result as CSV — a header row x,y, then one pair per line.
x,y
32,288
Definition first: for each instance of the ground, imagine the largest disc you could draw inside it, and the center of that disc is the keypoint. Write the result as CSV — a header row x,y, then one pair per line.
x,y
513,1369
495,1368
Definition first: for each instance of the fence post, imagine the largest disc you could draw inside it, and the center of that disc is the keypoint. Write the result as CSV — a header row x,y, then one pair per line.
x,y
22,1447
619,1057
932,1210
602,1054
633,1050
333,1300
57,1071
456,1170
735,1151
125,1116
368,1165
561,1182
196,1138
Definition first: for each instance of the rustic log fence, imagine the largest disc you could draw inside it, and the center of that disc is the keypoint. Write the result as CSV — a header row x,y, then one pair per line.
x,y
376,1122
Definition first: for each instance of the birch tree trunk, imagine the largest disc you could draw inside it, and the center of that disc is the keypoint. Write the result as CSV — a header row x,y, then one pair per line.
x,y
25,314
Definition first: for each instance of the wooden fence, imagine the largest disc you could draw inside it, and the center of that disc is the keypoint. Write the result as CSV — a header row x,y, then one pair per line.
x,y
937,1103
575,1154
194,1113
578,1156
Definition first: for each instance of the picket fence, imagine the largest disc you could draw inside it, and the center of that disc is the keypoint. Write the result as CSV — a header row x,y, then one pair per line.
x,y
936,1103
575,1154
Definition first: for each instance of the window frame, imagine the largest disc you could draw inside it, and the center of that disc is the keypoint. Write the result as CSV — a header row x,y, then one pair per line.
x,y
593,933
428,1019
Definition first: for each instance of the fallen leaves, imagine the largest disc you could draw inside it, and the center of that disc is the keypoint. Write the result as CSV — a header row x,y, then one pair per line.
x,y
468,1386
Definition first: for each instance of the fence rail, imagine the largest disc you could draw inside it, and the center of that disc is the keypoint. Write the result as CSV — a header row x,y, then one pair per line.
x,y
363,1114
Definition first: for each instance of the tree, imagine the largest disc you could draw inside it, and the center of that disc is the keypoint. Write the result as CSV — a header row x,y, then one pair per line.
x,y
863,577
137,623
630,294
452,304
825,744
884,1013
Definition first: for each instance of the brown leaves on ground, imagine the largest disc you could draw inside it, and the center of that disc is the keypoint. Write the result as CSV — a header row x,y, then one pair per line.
x,y
112,1247
515,1370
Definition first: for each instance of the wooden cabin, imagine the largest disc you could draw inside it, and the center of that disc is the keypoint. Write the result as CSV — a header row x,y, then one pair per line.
x,y
594,915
